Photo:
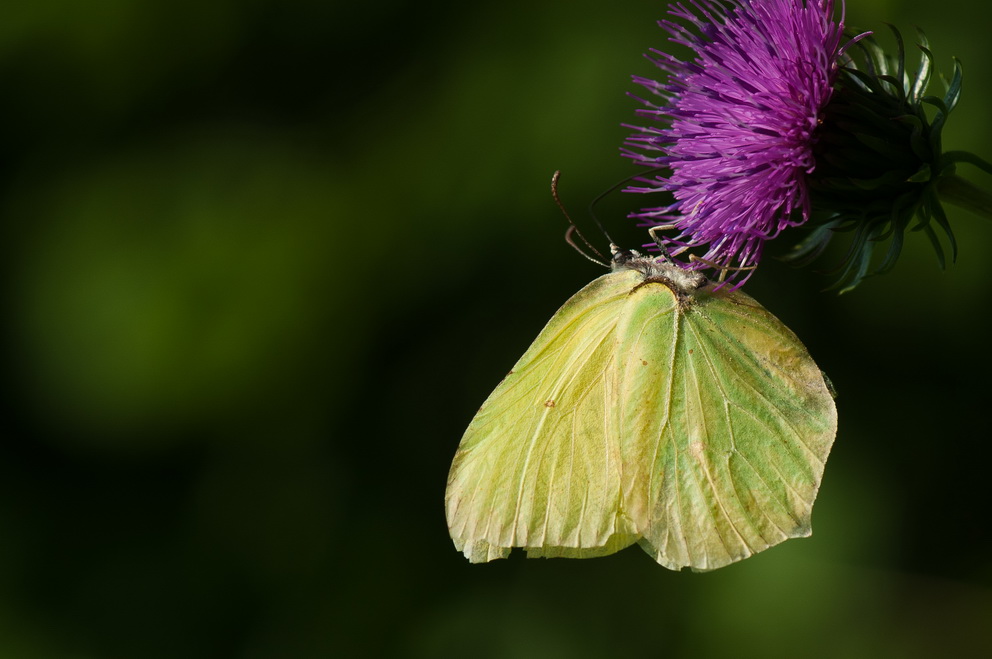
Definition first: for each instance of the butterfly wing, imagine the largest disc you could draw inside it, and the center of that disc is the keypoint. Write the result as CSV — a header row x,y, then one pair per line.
x,y
539,465
725,425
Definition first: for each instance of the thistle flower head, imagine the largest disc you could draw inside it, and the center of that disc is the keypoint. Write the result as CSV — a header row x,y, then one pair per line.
x,y
739,123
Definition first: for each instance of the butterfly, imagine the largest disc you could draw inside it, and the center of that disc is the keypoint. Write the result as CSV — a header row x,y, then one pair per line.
x,y
658,408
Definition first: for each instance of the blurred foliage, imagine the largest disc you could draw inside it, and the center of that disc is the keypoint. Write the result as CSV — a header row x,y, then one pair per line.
x,y
264,260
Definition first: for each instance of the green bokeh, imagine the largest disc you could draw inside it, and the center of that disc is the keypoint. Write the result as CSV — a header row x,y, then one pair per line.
x,y
264,260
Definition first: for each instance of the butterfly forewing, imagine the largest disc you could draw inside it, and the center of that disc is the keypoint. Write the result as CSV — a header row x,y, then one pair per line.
x,y
539,465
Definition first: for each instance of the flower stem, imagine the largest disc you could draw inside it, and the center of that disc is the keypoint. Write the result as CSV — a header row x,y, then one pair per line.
x,y
968,157
955,190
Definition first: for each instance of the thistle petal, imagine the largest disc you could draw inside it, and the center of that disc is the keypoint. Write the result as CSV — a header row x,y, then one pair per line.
x,y
741,123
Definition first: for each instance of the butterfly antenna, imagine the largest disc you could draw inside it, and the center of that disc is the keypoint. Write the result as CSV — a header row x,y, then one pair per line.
x,y
573,230
625,180
610,190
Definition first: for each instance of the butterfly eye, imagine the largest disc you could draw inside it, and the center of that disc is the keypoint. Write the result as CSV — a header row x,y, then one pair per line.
x,y
622,257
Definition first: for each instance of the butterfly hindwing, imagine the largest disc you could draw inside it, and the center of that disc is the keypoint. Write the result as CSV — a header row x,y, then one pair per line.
x,y
726,426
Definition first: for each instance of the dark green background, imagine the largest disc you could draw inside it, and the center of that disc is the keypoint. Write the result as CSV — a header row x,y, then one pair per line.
x,y
264,260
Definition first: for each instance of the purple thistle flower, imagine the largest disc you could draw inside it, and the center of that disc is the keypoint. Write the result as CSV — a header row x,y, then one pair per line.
x,y
741,122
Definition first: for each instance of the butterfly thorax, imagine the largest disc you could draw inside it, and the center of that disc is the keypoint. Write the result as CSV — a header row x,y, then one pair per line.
x,y
683,282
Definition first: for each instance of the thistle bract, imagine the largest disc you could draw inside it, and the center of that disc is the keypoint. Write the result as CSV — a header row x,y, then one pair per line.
x,y
881,168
